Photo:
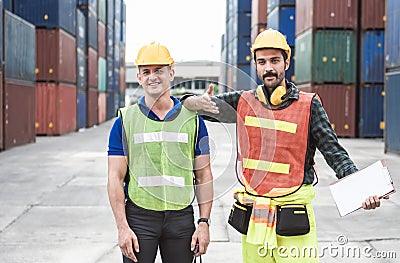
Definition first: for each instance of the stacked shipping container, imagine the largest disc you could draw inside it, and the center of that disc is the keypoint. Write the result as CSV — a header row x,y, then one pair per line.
x,y
282,17
19,81
41,91
392,77
259,11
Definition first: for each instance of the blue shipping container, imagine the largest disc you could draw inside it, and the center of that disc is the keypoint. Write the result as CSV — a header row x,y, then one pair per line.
x,y
81,108
91,28
19,47
283,19
392,34
272,4
116,80
123,11
110,105
117,31
123,32
392,112
110,13
371,111
110,42
117,14
1,40
48,13
243,50
243,6
110,74
117,60
373,57
81,41
243,25
81,69
92,4
8,5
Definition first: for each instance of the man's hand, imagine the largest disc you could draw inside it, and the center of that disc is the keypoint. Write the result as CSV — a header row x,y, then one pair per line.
x,y
202,102
201,237
372,202
127,240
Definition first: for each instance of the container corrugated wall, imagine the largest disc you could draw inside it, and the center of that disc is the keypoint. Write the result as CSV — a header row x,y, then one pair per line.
x,y
272,4
19,48
81,68
1,111
101,40
48,14
81,109
392,112
259,12
373,14
92,68
102,107
338,14
283,19
102,75
392,34
81,30
56,109
327,56
101,11
91,27
371,110
55,55
19,113
92,104
372,56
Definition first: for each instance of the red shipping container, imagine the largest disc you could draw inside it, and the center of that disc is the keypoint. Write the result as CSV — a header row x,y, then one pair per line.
x,y
102,107
373,14
55,56
1,112
101,38
55,109
340,103
92,68
19,113
338,14
259,12
92,105
122,80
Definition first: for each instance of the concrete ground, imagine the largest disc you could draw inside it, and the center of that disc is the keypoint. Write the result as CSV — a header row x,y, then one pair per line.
x,y
54,205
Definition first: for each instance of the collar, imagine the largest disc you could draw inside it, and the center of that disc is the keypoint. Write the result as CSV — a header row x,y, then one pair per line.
x,y
261,94
150,114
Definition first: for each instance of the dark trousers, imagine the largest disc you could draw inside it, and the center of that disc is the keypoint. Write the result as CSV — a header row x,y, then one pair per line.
x,y
170,231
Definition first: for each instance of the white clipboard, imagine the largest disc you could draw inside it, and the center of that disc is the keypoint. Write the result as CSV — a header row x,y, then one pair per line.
x,y
351,191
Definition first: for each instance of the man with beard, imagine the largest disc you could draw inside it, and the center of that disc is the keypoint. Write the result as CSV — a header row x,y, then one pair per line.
x,y
163,149
279,129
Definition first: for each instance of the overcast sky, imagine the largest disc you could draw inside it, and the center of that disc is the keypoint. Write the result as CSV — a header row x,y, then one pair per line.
x,y
191,29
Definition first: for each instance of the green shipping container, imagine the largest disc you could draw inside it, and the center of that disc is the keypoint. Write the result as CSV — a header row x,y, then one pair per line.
x,y
102,74
101,11
326,56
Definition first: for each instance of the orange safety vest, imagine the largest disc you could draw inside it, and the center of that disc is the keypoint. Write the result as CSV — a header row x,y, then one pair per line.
x,y
272,145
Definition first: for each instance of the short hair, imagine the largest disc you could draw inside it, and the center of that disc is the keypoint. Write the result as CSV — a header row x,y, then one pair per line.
x,y
284,54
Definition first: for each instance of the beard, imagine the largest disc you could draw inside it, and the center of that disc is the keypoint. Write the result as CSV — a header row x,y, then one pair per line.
x,y
271,85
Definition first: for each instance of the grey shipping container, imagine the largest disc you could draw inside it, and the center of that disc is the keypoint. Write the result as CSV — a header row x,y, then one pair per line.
x,y
101,11
81,37
81,70
19,48
392,112
110,42
392,34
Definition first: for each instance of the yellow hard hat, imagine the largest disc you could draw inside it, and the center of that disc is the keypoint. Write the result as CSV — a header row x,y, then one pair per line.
x,y
154,54
271,39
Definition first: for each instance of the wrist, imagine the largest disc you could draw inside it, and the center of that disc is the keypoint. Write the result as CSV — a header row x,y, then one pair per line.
x,y
204,221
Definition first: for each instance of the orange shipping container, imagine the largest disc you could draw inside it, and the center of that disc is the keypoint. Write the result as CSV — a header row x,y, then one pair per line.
x,y
92,105
338,14
19,113
259,12
55,108
339,101
1,112
102,107
92,68
122,80
55,56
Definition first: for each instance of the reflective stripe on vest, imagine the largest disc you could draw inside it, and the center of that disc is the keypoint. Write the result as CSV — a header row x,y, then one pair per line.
x,y
160,159
272,144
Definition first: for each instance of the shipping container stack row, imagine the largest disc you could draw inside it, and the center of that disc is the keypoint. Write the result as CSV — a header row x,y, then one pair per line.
x,y
392,77
282,17
55,66
331,62
236,45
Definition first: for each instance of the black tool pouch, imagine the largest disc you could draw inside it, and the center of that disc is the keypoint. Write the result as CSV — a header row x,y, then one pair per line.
x,y
292,220
239,217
